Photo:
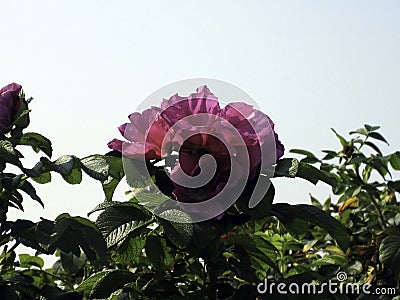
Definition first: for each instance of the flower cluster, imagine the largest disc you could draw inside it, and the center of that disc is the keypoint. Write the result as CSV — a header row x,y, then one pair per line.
x,y
197,125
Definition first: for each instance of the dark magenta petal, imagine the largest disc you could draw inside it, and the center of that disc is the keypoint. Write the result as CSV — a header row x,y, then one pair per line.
x,y
176,108
122,128
10,103
12,87
115,145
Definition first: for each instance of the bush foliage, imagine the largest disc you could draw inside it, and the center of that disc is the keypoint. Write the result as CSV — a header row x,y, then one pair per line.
x,y
129,253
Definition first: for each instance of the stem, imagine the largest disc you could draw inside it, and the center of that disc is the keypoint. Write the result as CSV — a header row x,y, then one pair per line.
x,y
53,275
14,246
381,218
363,142
63,280
357,169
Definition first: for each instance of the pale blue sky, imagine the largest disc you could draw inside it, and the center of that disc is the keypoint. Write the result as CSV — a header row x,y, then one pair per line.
x,y
310,65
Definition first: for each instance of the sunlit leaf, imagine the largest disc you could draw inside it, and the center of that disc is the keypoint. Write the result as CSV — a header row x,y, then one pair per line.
x,y
96,166
389,253
110,282
180,232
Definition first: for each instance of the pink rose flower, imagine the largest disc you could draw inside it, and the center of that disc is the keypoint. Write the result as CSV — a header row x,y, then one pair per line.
x,y
145,134
196,126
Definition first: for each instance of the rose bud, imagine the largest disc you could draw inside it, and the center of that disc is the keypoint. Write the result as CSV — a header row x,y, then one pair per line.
x,y
10,103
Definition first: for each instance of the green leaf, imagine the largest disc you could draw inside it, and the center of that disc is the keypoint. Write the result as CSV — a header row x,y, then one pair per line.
x,y
28,261
310,160
75,177
263,244
122,232
357,159
118,222
115,174
355,268
33,235
7,259
289,214
327,204
315,202
84,222
15,199
389,253
87,285
371,128
380,164
329,154
362,131
117,215
62,237
96,166
155,251
310,157
263,208
308,276
342,140
129,249
37,142
72,264
22,120
373,146
302,152
11,182
261,252
89,238
43,178
165,288
395,185
333,259
109,186
152,199
395,160
136,170
180,232
110,282
52,292
243,264
64,164
28,188
104,205
378,136
8,154
69,167
286,167
72,233
314,175
366,173
38,168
